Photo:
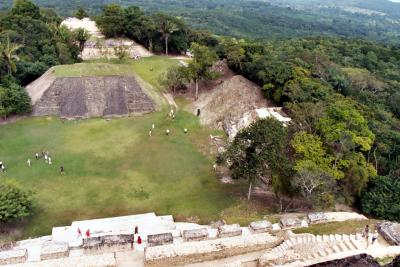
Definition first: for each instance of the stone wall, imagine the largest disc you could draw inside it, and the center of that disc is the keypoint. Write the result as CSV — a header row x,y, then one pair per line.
x,y
13,256
108,243
199,251
84,97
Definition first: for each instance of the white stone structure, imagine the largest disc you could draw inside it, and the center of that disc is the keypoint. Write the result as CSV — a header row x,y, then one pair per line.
x,y
227,245
85,23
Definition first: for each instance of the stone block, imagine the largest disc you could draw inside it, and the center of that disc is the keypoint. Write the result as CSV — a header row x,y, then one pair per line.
x,y
261,226
159,239
316,217
195,234
13,256
390,231
108,243
51,250
290,222
229,230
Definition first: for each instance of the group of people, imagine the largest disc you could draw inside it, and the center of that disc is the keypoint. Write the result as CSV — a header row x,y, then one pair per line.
x,y
131,240
366,235
45,155
167,131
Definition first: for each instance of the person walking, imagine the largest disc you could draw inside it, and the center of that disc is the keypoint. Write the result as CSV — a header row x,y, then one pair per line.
x,y
139,240
62,171
150,133
136,230
37,156
28,162
79,233
88,233
50,161
153,126
167,132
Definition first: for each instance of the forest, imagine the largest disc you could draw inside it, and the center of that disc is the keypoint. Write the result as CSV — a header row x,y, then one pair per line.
x,y
263,20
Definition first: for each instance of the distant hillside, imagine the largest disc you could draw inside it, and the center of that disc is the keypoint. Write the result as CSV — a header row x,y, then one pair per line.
x,y
372,19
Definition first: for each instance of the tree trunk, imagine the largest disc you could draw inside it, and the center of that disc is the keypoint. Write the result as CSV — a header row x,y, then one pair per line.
x,y
197,89
151,45
166,44
249,194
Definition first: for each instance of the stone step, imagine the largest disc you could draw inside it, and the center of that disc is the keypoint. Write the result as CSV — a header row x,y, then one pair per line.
x,y
343,247
336,249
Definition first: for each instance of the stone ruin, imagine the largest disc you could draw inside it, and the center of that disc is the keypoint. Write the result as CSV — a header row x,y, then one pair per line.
x,y
167,243
13,256
160,239
317,217
290,222
101,244
85,97
229,230
390,231
52,250
261,226
195,234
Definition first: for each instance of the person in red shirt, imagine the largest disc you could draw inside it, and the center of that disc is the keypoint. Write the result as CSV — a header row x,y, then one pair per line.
x,y
88,233
139,240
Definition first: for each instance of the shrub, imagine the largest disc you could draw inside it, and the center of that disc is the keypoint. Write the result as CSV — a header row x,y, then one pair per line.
x,y
15,203
381,198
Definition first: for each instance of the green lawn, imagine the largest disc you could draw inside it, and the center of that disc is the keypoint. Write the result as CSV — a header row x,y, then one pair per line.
x,y
114,168
148,68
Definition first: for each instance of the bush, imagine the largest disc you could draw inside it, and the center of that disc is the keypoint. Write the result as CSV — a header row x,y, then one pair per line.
x,y
381,198
14,100
14,203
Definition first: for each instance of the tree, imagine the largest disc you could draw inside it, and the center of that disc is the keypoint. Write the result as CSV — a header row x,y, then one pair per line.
x,y
258,153
175,78
381,198
14,100
25,8
8,53
199,67
81,36
343,121
166,26
121,52
15,203
111,20
81,13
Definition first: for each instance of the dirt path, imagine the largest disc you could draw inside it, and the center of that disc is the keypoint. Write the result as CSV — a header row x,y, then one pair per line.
x,y
171,101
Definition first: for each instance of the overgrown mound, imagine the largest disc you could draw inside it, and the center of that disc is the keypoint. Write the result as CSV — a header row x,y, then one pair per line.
x,y
230,100
84,97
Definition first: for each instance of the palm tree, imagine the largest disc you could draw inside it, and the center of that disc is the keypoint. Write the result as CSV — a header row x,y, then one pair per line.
x,y
81,36
8,53
166,26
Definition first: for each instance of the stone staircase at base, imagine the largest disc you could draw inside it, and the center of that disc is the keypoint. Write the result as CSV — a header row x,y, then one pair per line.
x,y
307,247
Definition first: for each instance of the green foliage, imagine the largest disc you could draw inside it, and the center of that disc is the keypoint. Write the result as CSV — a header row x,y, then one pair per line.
x,y
15,203
111,21
81,36
175,78
258,153
121,52
81,13
343,120
14,100
381,197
